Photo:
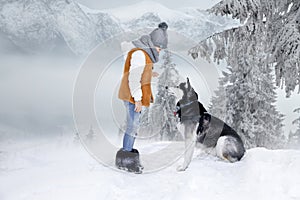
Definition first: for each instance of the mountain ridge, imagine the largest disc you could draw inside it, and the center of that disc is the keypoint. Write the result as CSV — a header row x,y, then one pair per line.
x,y
36,25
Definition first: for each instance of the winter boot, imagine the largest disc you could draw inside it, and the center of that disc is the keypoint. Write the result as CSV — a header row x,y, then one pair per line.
x,y
139,162
129,161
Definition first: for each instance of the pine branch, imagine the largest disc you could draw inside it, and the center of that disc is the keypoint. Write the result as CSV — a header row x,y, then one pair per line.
x,y
297,110
203,44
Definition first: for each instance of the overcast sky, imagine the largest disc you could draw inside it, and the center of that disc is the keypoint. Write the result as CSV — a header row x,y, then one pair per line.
x,y
100,4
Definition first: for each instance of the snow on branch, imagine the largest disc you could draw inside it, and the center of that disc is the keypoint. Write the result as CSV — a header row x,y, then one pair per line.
x,y
286,54
276,21
237,9
218,45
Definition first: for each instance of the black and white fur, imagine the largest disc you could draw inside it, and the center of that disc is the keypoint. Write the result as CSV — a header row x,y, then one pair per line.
x,y
211,133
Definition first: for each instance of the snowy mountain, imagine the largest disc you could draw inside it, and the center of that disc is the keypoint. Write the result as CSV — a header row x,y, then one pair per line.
x,y
190,22
59,169
135,11
41,25
37,25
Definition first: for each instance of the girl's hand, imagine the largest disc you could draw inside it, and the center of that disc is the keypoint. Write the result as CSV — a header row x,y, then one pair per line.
x,y
138,106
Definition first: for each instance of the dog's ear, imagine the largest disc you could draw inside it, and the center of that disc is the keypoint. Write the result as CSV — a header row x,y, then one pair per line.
x,y
196,95
188,83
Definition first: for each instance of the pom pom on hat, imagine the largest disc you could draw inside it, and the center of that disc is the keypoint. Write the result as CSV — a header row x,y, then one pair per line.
x,y
159,36
163,25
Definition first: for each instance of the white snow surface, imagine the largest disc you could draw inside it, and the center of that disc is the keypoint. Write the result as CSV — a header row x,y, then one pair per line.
x,y
59,169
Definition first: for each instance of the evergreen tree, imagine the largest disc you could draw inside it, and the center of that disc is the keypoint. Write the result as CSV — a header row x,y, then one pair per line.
x,y
294,137
248,88
76,139
160,119
276,21
218,102
91,134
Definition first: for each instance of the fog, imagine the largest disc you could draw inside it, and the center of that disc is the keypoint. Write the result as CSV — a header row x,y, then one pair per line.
x,y
96,4
36,90
36,93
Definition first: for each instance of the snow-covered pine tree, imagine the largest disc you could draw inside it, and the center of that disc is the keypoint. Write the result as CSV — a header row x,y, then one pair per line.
x,y
91,134
294,137
249,90
160,118
277,21
218,102
76,138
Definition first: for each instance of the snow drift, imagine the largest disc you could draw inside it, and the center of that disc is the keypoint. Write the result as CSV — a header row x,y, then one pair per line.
x,y
60,169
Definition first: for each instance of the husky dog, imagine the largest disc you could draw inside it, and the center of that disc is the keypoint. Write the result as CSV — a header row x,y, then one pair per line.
x,y
211,133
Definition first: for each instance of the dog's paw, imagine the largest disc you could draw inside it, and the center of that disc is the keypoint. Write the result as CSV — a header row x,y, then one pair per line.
x,y
181,168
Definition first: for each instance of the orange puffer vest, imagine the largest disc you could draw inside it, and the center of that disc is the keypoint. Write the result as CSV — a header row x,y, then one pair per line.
x,y
124,91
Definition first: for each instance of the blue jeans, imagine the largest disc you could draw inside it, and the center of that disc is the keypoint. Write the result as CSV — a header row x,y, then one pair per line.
x,y
132,125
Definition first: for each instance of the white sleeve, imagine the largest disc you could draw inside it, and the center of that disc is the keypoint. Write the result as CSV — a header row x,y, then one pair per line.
x,y
138,62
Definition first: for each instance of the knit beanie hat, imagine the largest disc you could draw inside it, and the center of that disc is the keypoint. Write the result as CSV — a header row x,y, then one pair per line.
x,y
159,36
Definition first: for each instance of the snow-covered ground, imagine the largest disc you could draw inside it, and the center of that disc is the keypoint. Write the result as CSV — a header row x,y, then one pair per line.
x,y
60,169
